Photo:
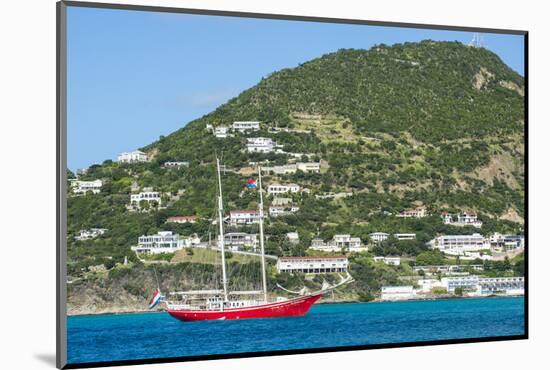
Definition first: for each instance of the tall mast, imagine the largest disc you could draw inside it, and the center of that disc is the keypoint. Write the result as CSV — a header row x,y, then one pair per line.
x,y
264,279
221,240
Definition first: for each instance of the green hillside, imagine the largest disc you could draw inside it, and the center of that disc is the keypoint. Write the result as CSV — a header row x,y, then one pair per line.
x,y
433,123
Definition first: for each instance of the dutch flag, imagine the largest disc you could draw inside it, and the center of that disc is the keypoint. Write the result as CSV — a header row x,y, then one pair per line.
x,y
156,299
251,184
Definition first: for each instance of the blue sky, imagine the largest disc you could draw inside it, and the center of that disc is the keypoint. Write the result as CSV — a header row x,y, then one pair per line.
x,y
133,76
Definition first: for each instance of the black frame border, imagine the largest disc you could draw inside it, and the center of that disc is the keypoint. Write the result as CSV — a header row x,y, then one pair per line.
x,y
61,146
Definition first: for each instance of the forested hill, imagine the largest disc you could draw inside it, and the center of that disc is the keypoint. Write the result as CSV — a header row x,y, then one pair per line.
x,y
433,123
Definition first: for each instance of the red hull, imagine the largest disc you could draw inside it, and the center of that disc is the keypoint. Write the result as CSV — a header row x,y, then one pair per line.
x,y
293,307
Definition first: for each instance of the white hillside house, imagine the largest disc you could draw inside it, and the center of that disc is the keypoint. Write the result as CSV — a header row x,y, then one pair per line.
x,y
379,237
243,126
82,187
260,145
312,265
147,196
314,167
338,242
276,211
175,164
244,217
418,212
90,234
241,241
281,189
461,219
132,157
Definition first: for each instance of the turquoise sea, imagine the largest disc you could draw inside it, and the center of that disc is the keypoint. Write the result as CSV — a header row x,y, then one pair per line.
x,y
157,335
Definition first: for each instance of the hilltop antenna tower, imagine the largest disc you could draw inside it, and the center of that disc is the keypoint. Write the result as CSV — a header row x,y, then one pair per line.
x,y
477,41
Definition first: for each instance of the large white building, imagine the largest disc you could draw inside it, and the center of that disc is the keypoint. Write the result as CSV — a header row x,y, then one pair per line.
x,y
456,244
501,285
339,241
379,236
243,126
285,169
161,242
308,166
468,283
346,241
244,217
312,265
475,285
239,241
461,219
82,187
417,212
131,157
446,269
396,293
281,189
498,240
148,196
260,145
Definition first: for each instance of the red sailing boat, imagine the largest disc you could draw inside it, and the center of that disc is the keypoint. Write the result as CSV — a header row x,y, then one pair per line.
x,y
231,305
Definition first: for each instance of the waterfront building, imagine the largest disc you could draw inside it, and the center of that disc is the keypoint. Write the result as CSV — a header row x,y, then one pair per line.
x,y
417,212
426,286
456,244
467,283
82,187
405,236
312,265
244,217
281,189
379,236
90,233
243,126
132,157
397,293
182,219
501,285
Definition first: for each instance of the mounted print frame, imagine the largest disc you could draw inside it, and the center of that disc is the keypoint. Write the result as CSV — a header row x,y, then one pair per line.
x,y
236,184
